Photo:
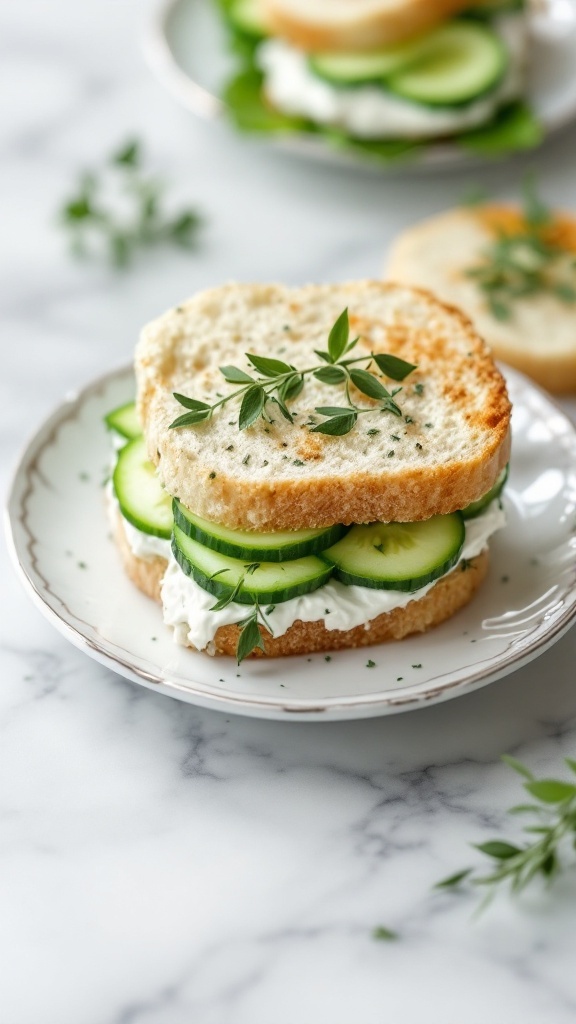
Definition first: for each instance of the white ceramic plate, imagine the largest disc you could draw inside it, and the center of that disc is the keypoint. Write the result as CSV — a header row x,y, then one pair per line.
x,y
60,541
186,48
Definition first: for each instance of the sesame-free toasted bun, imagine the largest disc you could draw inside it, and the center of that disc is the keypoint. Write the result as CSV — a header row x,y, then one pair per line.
x,y
442,601
354,25
539,337
446,450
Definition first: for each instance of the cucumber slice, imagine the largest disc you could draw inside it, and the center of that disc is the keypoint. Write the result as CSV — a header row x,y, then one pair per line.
x,y
270,582
398,556
246,17
476,507
462,61
268,547
142,499
124,420
355,68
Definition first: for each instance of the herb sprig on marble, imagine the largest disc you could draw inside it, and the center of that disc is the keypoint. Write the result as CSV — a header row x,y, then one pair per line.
x,y
119,209
278,383
552,832
525,262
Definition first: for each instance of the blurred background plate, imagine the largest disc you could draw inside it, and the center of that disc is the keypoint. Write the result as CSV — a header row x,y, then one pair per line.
x,y
187,48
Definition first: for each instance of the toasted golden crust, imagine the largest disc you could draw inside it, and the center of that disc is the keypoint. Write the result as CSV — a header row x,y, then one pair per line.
x,y
354,25
448,595
539,337
445,452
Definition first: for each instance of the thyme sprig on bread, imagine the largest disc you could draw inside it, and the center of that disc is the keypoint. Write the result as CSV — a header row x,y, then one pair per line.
x,y
279,382
525,262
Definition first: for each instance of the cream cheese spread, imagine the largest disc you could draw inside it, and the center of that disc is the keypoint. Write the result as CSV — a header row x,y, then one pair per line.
x,y
369,112
187,606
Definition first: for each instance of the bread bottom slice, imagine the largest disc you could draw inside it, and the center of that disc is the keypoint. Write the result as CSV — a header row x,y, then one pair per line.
x,y
443,600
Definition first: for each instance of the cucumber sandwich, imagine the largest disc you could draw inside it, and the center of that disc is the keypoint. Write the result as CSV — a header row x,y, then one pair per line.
x,y
309,469
383,76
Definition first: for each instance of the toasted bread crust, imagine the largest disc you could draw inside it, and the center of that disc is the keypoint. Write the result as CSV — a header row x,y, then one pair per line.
x,y
539,338
352,26
431,468
448,595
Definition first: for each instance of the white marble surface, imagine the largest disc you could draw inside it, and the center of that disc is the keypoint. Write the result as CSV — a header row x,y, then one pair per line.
x,y
165,865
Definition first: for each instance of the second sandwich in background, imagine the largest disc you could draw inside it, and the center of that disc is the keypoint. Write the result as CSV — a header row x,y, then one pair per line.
x,y
512,270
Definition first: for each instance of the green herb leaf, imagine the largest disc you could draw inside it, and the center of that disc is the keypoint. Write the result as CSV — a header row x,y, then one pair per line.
x,y
453,880
393,366
368,384
191,403
338,337
249,640
382,934
268,367
129,155
551,791
517,766
337,426
330,375
191,419
235,376
332,410
291,387
498,849
252,405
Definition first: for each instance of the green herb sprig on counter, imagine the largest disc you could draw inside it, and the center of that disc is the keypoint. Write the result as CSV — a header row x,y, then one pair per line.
x,y
525,262
553,828
119,210
279,382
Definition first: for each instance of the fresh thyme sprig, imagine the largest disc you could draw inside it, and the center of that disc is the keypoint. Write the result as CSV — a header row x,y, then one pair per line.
x,y
279,382
249,637
525,262
555,824
118,210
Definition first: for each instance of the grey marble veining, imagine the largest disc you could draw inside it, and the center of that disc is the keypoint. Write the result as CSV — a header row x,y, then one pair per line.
x,y
160,864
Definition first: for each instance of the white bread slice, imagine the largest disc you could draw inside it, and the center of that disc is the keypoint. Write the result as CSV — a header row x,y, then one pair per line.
x,y
354,25
284,477
540,337
445,598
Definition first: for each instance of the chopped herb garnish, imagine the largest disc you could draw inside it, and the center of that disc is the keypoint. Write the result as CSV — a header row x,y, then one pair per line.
x,y
417,666
278,383
394,437
526,261
418,445
298,462
428,424
370,663
246,460
419,389
212,475
408,419
327,658
230,448
99,228
390,453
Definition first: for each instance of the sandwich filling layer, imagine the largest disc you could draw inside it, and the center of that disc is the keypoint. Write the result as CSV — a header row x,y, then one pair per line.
x,y
187,607
370,111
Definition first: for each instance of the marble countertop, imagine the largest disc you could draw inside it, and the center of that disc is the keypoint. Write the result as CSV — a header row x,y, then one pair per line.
x,y
160,864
